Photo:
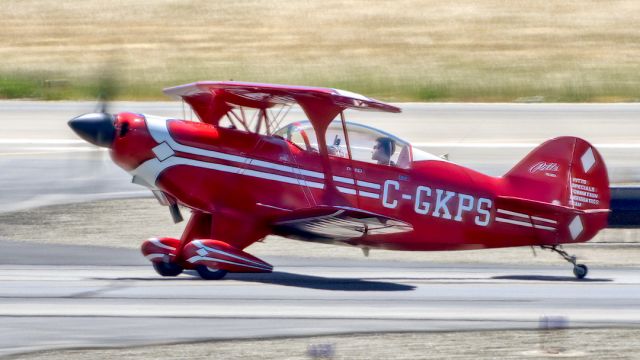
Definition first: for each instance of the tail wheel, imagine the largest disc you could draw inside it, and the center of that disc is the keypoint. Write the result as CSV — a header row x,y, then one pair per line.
x,y
579,270
167,268
208,273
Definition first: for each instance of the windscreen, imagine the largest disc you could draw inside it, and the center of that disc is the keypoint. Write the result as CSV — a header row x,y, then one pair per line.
x,y
367,144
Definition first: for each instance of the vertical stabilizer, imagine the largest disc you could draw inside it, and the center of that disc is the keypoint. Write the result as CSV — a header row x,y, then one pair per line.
x,y
569,175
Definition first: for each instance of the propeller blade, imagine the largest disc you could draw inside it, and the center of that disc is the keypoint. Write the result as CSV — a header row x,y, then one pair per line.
x,y
106,90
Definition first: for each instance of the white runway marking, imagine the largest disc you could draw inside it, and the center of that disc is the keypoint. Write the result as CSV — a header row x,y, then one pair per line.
x,y
41,141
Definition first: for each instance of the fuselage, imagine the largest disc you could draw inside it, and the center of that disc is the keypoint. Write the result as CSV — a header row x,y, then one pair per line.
x,y
254,177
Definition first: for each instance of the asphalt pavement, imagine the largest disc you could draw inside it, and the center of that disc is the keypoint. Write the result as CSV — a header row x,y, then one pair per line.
x,y
61,296
69,297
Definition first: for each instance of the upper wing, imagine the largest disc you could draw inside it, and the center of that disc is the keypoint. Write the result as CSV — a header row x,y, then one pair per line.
x,y
335,223
204,96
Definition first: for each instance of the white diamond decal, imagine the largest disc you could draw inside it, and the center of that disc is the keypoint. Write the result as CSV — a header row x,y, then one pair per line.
x,y
202,252
575,228
588,160
163,151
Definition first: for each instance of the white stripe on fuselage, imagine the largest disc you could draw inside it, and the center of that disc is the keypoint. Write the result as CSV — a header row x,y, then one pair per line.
x,y
543,219
160,132
346,190
368,184
512,213
151,169
344,180
514,222
528,217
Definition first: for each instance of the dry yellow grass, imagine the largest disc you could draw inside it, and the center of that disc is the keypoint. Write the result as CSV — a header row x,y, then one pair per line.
x,y
573,50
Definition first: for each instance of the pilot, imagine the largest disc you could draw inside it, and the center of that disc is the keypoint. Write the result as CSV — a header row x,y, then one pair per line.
x,y
382,151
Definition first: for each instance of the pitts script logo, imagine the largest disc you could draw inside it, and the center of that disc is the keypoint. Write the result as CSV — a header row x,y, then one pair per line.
x,y
544,166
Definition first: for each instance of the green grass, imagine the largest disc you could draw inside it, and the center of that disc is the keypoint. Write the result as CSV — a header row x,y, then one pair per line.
x,y
59,87
12,87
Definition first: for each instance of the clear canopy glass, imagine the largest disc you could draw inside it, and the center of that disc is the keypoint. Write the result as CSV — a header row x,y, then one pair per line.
x,y
362,140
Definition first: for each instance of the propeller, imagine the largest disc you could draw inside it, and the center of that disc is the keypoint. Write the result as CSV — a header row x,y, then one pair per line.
x,y
98,127
93,168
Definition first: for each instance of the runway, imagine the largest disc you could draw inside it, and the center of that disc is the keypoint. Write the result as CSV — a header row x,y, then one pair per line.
x,y
80,304
62,296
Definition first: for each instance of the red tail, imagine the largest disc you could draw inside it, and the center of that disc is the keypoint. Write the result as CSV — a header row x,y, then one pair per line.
x,y
565,171
569,173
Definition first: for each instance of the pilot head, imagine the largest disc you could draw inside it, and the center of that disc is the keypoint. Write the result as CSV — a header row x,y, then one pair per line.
x,y
383,149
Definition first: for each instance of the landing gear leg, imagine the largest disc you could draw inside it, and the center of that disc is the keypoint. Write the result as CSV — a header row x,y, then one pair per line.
x,y
579,270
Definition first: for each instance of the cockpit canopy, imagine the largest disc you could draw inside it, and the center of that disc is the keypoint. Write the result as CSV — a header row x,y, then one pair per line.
x,y
363,143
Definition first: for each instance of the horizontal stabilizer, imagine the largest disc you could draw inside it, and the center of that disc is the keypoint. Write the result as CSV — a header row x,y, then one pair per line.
x,y
552,223
541,206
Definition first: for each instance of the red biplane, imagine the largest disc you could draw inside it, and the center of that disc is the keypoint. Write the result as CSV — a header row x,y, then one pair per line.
x,y
331,181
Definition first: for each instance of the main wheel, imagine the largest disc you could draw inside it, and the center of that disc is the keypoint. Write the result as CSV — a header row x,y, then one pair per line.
x,y
209,273
580,271
167,268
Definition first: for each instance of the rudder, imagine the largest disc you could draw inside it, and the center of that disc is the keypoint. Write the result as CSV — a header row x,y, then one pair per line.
x,y
565,171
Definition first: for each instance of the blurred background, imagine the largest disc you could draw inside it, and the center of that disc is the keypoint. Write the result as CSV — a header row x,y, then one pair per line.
x,y
407,50
480,82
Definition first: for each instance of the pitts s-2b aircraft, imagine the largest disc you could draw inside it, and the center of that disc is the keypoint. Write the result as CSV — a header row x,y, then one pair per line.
x,y
331,181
